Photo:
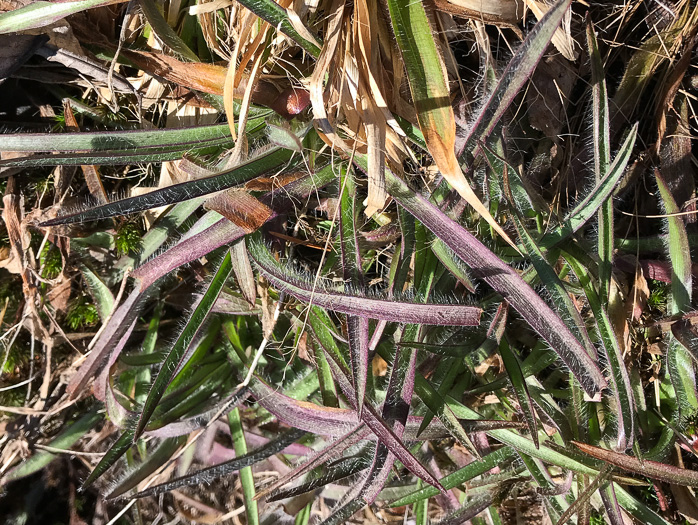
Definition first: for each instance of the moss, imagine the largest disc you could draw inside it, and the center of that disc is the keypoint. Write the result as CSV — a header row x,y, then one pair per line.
x,y
128,239
51,261
659,292
82,314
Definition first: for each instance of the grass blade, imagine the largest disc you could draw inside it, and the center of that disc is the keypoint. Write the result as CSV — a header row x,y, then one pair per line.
x,y
679,251
678,360
155,460
277,17
513,368
135,140
621,379
460,476
547,275
647,468
41,14
320,458
517,73
385,309
382,431
174,357
431,97
246,478
210,474
587,207
602,160
357,327
118,449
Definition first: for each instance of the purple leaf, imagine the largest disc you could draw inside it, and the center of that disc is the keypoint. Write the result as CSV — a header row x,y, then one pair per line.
x,y
112,333
382,431
188,249
388,310
327,454
487,266
357,329
651,469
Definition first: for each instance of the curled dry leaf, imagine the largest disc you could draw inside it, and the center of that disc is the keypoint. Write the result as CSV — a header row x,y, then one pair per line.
x,y
497,12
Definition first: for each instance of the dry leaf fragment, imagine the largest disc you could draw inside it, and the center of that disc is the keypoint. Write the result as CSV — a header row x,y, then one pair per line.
x,y
562,39
497,12
241,208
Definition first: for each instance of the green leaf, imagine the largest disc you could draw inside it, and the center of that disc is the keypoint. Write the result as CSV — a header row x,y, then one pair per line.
x,y
164,32
431,96
585,209
602,160
513,368
41,14
516,75
272,159
118,449
156,459
114,141
679,251
460,476
547,275
621,379
678,360
174,358
101,295
277,16
246,478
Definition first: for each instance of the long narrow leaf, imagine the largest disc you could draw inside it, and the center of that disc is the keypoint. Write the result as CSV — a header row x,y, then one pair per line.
x,y
602,160
513,368
357,327
210,474
460,476
383,432
277,16
155,460
506,281
246,477
678,360
394,311
330,452
647,468
41,14
173,360
621,379
517,73
547,275
430,94
587,207
270,160
130,140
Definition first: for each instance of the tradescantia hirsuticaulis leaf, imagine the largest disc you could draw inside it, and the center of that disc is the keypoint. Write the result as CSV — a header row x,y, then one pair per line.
x,y
487,266
291,282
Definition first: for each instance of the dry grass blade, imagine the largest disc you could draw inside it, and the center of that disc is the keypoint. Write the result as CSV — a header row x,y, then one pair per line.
x,y
650,469
426,74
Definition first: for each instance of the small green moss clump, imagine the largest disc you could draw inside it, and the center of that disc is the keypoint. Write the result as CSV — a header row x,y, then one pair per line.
x,y
82,314
51,261
128,239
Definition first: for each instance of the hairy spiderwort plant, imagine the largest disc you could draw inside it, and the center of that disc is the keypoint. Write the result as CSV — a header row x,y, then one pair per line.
x,y
457,347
